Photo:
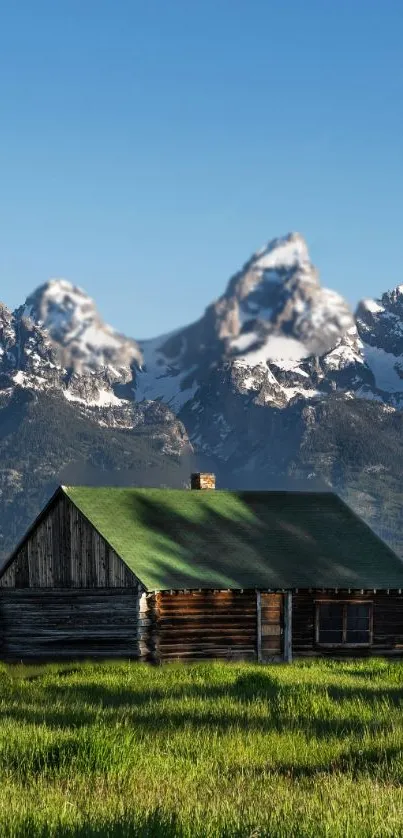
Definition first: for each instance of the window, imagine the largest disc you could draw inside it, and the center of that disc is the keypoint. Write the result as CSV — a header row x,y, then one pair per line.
x,y
344,623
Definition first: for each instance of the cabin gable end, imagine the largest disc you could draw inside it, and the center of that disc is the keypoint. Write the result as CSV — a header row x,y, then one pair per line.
x,y
63,549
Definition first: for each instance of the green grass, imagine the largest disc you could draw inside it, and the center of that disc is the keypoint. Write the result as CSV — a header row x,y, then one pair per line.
x,y
120,749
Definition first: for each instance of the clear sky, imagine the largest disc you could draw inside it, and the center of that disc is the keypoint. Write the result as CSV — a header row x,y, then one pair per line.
x,y
148,147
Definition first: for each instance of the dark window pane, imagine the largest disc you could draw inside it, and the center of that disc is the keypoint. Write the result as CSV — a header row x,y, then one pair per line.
x,y
331,614
330,636
357,637
358,617
330,622
358,623
357,612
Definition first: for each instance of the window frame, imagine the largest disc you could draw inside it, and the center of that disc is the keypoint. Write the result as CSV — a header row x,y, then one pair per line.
x,y
344,603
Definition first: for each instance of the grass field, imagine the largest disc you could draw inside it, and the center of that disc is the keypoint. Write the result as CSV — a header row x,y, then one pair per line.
x,y
120,749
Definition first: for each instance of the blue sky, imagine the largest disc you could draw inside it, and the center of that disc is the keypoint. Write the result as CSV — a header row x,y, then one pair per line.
x,y
148,147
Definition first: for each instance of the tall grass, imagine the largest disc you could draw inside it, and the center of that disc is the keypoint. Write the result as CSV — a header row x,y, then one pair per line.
x,y
121,749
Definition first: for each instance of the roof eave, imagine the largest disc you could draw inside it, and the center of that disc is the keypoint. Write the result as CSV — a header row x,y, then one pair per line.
x,y
31,528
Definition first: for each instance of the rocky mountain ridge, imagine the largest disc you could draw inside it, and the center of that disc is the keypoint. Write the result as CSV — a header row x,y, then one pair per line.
x,y
282,334
83,342
64,423
272,365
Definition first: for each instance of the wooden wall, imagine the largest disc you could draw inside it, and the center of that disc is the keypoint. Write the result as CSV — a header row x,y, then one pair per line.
x,y
271,620
204,624
57,624
67,594
65,551
387,624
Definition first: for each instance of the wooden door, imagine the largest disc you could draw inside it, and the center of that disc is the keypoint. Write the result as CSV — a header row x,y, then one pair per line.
x,y
271,626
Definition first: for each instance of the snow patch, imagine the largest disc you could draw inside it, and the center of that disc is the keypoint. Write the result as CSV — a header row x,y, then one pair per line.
x,y
282,253
291,392
327,306
105,398
57,289
97,338
27,380
299,371
342,356
161,379
285,352
19,378
244,341
383,366
372,306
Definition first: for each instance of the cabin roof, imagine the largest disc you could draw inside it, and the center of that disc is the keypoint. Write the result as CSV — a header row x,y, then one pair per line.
x,y
175,539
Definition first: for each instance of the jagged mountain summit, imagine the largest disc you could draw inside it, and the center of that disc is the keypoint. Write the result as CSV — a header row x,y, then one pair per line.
x,y
57,421
277,378
282,335
273,310
274,313
30,360
84,343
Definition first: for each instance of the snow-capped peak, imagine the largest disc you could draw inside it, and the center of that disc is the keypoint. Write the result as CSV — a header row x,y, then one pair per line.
x,y
283,252
278,291
274,312
62,307
84,342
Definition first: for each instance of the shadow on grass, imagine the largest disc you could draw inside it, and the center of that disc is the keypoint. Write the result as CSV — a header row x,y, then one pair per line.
x,y
147,709
153,825
36,672
156,824
368,673
371,695
354,762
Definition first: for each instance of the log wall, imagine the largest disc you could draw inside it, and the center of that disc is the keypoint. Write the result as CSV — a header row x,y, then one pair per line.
x,y
58,624
387,624
203,624
67,594
65,551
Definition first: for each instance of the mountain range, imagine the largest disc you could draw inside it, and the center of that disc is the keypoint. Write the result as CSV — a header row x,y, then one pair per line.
x,y
277,381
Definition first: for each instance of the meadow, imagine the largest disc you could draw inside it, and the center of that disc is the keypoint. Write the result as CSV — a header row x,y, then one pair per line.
x,y
202,751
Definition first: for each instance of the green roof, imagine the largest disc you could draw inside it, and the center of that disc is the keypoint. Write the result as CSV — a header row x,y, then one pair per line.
x,y
174,538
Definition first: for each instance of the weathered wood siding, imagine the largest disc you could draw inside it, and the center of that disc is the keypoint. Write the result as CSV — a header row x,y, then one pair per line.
x,y
203,624
387,624
65,551
272,617
70,624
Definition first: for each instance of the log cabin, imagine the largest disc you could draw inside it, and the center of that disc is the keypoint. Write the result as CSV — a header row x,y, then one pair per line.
x,y
164,575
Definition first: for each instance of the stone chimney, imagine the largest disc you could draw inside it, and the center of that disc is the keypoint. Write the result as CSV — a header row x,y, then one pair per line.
x,y
202,480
